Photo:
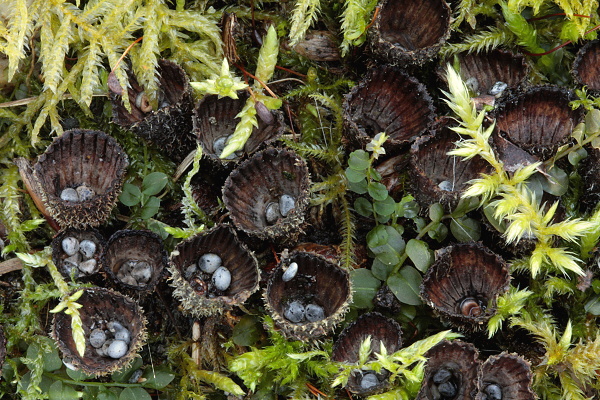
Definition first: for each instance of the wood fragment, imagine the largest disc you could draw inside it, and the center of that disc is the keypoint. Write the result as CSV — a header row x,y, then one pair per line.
x,y
14,264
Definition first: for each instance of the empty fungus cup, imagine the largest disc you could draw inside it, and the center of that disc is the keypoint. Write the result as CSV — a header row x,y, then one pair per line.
x,y
410,31
387,100
586,67
538,120
168,124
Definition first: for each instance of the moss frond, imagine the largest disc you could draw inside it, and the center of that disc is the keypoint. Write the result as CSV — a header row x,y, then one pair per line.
x,y
484,41
305,13
355,19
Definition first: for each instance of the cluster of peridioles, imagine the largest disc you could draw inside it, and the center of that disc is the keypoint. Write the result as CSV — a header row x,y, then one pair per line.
x,y
454,371
266,193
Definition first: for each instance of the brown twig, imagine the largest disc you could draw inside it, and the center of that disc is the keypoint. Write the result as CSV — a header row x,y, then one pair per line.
x,y
375,14
559,46
290,71
258,80
14,264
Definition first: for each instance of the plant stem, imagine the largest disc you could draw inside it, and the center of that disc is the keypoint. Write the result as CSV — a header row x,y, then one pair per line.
x,y
85,383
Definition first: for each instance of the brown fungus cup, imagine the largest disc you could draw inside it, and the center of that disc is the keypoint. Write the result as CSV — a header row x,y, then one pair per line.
x,y
213,271
307,295
267,195
410,31
538,120
586,67
77,252
135,260
215,121
463,283
382,331
451,372
169,124
505,377
387,100
114,329
79,177
437,177
491,73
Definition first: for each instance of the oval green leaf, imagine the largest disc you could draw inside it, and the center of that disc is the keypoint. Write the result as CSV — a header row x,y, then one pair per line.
x,y
386,207
134,393
150,208
359,160
131,195
406,285
364,286
355,176
465,229
420,254
377,191
153,183
363,207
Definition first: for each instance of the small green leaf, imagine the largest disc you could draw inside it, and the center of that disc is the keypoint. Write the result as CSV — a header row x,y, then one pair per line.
x,y
385,207
420,254
465,205
359,160
576,156
107,394
377,191
381,270
593,306
124,374
60,391
157,378
378,236
365,287
436,212
465,229
78,375
386,243
438,232
406,285
52,360
358,187
592,121
131,195
363,207
150,208
247,331
153,183
134,393
557,183
355,176
499,225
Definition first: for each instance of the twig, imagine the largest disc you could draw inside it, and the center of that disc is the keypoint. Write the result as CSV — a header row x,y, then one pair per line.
x,y
14,264
560,46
